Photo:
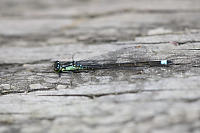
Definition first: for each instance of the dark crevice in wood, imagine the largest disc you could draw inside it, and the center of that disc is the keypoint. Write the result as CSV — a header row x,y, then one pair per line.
x,y
3,92
92,96
108,13
178,42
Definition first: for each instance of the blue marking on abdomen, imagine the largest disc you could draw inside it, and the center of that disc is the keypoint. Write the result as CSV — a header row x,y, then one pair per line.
x,y
163,62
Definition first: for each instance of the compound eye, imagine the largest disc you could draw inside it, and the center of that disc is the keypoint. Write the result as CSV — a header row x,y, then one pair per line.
x,y
57,66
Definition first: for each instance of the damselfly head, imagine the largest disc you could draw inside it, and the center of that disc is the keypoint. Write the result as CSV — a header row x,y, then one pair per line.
x,y
57,66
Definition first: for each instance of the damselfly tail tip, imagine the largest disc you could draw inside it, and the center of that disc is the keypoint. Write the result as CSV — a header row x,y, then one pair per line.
x,y
169,62
166,62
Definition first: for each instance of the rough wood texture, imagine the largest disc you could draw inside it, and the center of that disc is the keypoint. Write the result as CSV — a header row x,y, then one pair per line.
x,y
33,34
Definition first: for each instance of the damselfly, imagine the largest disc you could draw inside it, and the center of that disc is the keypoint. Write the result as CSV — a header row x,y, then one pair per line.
x,y
80,66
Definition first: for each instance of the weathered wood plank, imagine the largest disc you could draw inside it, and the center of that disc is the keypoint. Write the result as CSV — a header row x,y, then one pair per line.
x,y
33,34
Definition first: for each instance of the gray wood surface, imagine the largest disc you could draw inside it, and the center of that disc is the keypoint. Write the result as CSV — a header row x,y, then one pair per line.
x,y
34,33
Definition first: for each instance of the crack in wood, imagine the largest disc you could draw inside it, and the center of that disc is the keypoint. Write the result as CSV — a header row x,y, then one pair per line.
x,y
93,96
164,42
5,92
111,13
